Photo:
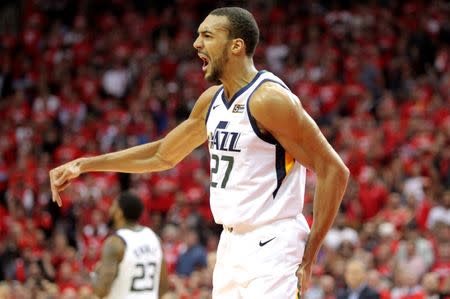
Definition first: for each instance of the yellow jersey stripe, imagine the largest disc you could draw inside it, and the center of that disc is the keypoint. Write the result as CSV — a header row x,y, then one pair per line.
x,y
288,163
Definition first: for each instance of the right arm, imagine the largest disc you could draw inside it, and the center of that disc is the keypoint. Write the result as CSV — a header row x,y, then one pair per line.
x,y
154,156
112,254
163,279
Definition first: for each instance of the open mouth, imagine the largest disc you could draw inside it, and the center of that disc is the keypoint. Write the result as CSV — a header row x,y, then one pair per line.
x,y
205,60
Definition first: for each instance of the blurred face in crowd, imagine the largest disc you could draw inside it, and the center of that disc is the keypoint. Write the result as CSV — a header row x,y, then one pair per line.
x,y
213,44
444,252
405,276
65,271
327,283
373,279
170,233
394,200
34,271
346,249
446,199
355,274
191,238
430,282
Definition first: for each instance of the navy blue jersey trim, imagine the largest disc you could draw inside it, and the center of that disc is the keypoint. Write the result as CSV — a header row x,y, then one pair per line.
x,y
266,137
212,103
241,91
280,166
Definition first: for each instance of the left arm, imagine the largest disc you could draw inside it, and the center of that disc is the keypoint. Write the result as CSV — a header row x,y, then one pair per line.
x,y
281,114
112,255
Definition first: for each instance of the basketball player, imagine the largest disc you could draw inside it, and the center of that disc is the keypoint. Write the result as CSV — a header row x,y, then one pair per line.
x,y
260,141
131,265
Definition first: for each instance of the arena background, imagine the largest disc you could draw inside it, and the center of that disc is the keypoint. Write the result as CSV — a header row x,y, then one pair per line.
x,y
79,78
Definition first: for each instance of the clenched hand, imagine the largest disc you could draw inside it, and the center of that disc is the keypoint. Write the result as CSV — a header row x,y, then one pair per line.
x,y
303,275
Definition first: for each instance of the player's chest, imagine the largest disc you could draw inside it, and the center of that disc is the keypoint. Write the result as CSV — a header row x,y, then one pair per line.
x,y
228,131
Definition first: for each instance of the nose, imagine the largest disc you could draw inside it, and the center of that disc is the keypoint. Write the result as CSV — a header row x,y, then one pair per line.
x,y
197,43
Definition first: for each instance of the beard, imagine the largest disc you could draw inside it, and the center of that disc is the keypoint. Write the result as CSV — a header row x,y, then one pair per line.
x,y
217,67
110,223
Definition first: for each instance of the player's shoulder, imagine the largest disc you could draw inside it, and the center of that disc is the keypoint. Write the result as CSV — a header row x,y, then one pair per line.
x,y
209,93
114,247
115,239
148,231
271,95
204,100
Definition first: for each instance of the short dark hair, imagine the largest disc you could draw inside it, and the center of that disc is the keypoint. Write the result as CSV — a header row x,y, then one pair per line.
x,y
131,206
242,25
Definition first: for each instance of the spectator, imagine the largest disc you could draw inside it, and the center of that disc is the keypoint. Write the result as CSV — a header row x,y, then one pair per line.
x,y
341,234
441,212
376,282
172,246
406,283
408,257
416,250
430,285
315,290
385,250
194,257
356,279
394,212
328,286
442,263
372,193
116,80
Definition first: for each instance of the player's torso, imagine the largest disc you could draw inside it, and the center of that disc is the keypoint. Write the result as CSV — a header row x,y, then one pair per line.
x,y
253,180
139,272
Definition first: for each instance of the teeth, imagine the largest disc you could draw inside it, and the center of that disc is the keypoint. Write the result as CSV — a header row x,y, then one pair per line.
x,y
205,64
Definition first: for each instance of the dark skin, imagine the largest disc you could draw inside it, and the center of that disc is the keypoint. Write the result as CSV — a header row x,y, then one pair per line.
x,y
112,254
275,111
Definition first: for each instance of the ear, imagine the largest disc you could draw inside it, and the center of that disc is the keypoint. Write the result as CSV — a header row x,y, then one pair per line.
x,y
238,46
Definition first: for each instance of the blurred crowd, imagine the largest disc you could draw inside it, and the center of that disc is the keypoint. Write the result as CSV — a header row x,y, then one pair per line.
x,y
80,78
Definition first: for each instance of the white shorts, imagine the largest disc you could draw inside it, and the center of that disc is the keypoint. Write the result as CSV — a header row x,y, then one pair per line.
x,y
260,263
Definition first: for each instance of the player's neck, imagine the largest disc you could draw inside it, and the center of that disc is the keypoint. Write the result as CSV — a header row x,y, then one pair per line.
x,y
128,225
131,225
237,76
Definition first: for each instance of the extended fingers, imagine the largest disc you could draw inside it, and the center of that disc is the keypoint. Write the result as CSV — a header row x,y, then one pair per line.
x,y
55,187
56,198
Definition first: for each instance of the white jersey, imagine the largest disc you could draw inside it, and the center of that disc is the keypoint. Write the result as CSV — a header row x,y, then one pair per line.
x,y
139,271
254,181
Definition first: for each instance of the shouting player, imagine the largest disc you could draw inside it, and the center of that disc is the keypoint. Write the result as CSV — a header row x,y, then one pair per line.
x,y
260,140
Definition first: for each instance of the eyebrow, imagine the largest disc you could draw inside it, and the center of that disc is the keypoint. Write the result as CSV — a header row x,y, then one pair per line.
x,y
204,31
